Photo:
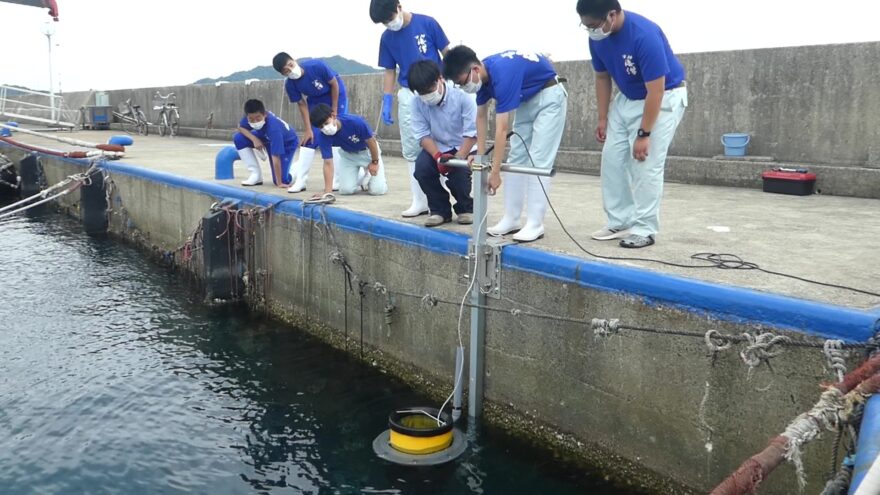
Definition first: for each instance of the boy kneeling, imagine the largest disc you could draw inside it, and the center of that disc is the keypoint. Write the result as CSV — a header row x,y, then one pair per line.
x,y
261,130
358,149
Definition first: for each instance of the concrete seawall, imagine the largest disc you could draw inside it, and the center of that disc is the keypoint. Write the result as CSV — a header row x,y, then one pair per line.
x,y
640,405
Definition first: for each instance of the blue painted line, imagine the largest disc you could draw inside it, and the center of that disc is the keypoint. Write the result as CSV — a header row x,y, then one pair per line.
x,y
725,302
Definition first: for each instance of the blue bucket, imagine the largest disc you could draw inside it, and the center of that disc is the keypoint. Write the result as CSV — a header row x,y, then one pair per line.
x,y
735,144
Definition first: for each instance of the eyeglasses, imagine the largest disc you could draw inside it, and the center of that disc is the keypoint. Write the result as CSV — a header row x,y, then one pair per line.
x,y
592,27
466,80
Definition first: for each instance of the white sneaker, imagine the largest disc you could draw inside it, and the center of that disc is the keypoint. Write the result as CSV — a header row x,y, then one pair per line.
x,y
606,234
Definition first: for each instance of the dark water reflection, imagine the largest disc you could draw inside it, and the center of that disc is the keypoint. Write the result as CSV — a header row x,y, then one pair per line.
x,y
115,378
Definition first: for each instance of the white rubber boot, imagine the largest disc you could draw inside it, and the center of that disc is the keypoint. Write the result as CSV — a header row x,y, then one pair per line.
x,y
514,196
419,204
249,158
301,168
536,207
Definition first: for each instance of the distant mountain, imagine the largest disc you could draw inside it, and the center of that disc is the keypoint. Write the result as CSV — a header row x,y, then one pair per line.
x,y
341,65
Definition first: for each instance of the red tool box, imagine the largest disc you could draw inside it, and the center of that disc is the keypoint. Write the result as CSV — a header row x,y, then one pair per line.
x,y
796,181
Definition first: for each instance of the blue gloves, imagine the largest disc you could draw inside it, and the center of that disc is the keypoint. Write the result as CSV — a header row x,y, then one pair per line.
x,y
387,100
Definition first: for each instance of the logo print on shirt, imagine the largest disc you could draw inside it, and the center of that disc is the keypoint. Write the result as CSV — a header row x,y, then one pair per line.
x,y
530,56
318,85
354,139
423,43
630,66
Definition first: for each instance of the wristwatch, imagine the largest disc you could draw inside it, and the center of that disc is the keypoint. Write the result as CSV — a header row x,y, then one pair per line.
x,y
644,133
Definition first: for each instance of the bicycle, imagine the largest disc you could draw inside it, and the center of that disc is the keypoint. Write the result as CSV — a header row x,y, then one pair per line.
x,y
169,115
134,119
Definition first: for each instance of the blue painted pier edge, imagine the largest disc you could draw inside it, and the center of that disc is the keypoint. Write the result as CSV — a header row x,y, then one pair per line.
x,y
718,301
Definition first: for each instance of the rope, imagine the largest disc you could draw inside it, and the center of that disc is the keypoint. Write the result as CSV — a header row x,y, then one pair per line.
x,y
806,427
829,411
604,328
762,348
428,302
834,353
840,483
46,200
717,341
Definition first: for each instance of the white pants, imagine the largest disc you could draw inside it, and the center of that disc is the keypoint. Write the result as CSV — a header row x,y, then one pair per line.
x,y
632,190
409,145
350,163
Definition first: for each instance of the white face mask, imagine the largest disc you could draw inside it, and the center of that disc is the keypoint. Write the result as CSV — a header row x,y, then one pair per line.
x,y
597,34
295,73
397,23
434,97
257,125
472,87
330,129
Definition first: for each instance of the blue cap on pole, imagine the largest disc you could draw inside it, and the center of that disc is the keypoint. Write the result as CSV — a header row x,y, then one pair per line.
x,y
4,132
121,140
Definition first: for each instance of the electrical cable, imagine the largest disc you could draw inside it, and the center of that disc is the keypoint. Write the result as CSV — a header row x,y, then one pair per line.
x,y
722,261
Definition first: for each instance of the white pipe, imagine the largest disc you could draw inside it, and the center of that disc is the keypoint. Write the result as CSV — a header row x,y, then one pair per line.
x,y
870,484
71,141
459,371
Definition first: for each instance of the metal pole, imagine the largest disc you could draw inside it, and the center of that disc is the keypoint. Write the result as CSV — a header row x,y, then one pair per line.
x,y
481,168
51,83
478,299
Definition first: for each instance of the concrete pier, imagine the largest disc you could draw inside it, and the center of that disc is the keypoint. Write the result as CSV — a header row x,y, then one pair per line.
x,y
653,410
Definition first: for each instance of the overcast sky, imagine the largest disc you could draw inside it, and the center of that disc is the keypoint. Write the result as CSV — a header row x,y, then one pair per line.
x,y
111,44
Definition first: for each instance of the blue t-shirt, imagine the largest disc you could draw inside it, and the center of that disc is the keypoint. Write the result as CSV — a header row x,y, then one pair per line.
x,y
276,135
314,84
421,39
352,136
514,77
637,54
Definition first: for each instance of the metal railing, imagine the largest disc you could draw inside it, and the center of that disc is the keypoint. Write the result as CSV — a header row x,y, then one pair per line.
x,y
12,107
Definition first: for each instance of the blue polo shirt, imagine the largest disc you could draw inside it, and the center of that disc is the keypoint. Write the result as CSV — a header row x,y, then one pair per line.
x,y
352,136
421,39
314,84
448,123
514,77
276,135
637,54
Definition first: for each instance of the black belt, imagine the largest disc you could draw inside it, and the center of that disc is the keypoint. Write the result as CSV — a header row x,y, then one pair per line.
x,y
679,85
553,82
